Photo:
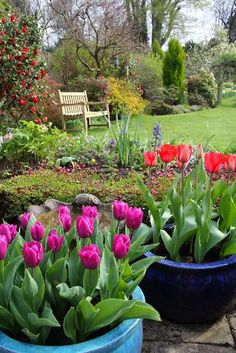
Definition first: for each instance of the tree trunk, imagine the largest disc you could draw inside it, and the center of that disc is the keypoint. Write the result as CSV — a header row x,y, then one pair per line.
x,y
220,82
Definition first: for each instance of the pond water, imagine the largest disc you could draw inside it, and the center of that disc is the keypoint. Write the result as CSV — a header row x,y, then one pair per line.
x,y
50,218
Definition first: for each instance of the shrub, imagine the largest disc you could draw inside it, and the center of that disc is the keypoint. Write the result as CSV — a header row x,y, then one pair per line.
x,y
33,141
97,89
173,67
149,75
202,89
125,97
21,69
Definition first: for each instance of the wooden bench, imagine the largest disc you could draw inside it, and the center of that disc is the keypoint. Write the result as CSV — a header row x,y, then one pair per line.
x,y
76,103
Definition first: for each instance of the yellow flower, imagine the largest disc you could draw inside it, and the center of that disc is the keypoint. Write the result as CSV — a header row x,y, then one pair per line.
x,y
93,160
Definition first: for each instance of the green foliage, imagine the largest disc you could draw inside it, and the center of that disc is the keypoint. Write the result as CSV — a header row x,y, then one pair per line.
x,y
37,187
174,67
35,141
156,49
202,89
149,74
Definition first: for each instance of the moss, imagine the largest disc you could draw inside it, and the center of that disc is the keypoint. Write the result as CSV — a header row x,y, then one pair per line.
x,y
17,193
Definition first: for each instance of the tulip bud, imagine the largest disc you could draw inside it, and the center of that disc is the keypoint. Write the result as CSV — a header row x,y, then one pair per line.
x,y
33,253
24,220
230,162
90,256
119,210
13,230
150,158
121,245
85,226
90,211
199,151
66,221
37,231
134,217
54,242
63,209
167,153
184,153
3,247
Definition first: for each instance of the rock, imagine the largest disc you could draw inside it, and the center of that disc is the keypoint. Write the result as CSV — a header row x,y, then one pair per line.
x,y
85,199
36,210
52,204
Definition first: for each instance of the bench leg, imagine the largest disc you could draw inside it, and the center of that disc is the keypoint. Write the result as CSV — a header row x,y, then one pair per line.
x,y
63,123
85,125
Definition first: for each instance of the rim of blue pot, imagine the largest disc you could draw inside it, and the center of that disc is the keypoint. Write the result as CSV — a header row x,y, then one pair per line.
x,y
229,261
110,339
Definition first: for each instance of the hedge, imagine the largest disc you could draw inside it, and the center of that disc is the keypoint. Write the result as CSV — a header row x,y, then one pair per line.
x,y
17,193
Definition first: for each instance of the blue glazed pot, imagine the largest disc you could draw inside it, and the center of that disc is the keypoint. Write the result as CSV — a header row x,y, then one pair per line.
x,y
126,337
191,293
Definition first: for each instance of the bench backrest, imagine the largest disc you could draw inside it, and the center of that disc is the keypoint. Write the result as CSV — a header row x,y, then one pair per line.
x,y
71,102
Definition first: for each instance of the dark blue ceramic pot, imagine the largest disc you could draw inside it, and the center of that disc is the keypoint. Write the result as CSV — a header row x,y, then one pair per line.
x,y
191,293
126,337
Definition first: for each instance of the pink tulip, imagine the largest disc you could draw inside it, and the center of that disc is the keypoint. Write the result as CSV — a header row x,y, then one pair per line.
x,y
3,247
24,220
90,256
37,231
33,253
90,211
63,209
13,230
134,217
66,221
54,242
85,226
5,231
121,245
119,210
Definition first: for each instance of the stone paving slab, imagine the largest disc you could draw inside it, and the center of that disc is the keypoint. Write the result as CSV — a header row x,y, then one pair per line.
x,y
170,337
166,347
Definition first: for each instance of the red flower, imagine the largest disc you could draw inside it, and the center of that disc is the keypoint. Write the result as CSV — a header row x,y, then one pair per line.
x,y
13,18
184,153
43,72
34,63
213,162
23,102
33,110
45,119
230,162
24,29
4,20
150,158
167,153
2,33
24,51
34,98
22,83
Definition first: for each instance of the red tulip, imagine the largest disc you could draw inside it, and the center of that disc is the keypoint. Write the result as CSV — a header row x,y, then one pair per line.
x,y
230,162
150,158
213,162
167,153
184,153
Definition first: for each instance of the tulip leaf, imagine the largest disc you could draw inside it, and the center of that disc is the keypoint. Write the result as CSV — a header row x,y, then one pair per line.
x,y
29,289
215,237
19,307
57,273
90,281
69,325
8,277
34,338
109,274
143,264
75,268
217,190
141,310
228,210
7,320
73,295
108,311
38,277
38,322
229,248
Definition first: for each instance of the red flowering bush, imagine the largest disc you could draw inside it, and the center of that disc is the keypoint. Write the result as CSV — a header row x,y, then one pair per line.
x,y
21,68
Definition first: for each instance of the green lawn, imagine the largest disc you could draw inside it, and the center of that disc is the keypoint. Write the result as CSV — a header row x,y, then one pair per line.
x,y
194,127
